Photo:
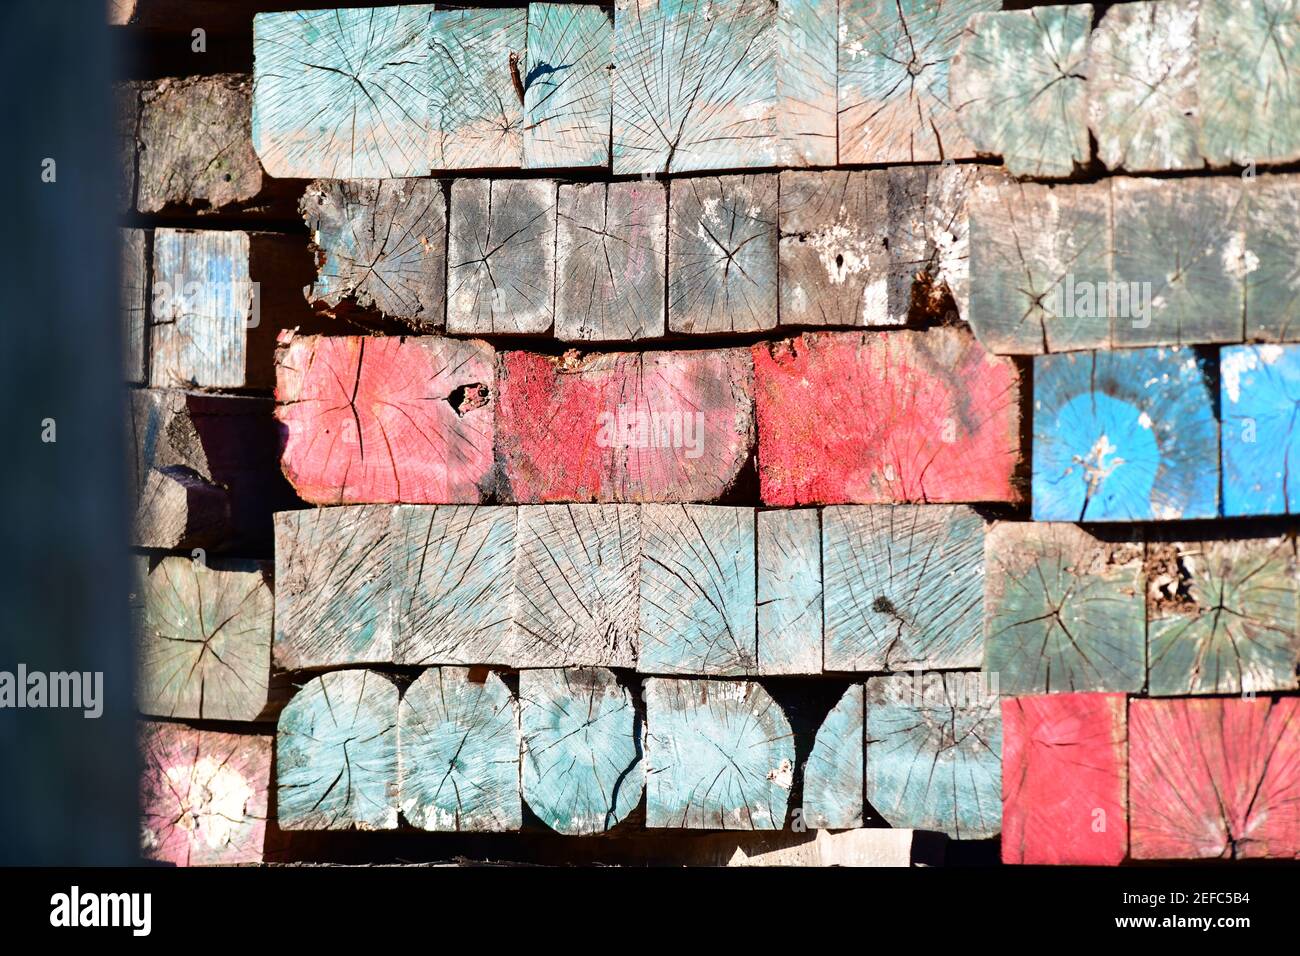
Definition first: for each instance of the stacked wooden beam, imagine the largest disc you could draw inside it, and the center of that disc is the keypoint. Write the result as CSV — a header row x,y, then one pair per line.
x,y
866,509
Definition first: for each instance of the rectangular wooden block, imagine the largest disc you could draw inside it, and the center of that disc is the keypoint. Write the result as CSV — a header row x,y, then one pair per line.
x,y
576,586
806,82
1020,81
610,261
698,591
1259,392
894,60
885,417
833,775
203,795
476,110
719,756
1271,236
133,290
722,254
345,93
789,592
1063,609
203,640
501,256
453,570
372,420
126,124
874,847
904,587
1223,616
333,587
644,426
1214,779
380,244
219,300
1065,779
1124,436
712,103
567,86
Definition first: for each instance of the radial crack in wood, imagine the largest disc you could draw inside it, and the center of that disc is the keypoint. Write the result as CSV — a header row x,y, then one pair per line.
x,y
567,87
832,778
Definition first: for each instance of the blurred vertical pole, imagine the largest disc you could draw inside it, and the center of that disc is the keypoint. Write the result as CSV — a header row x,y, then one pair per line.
x,y
66,782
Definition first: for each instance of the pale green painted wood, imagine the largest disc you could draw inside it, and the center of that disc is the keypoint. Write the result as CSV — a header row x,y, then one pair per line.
x,y
694,85
342,93
1142,97
567,98
1063,610
934,748
475,112
336,754
459,752
719,755
806,82
698,590
903,587
832,778
894,100
1272,233
453,571
1249,103
789,592
582,771
1019,78
333,590
1228,622
576,577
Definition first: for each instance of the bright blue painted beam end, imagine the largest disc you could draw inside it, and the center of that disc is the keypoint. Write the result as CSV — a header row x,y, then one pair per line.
x,y
1259,394
1124,436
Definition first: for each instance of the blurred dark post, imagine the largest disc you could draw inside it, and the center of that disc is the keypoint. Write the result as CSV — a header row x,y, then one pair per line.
x,y
66,782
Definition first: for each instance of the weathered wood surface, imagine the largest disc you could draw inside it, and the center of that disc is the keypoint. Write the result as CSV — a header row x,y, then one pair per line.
x,y
722,254
203,795
382,245
894,100
1065,779
196,148
1249,105
1063,610
807,83
126,123
610,261
344,93
1223,617
719,755
694,85
453,573
698,591
1214,779
567,88
133,292
501,256
336,754
832,778
885,417
1181,245
219,301
934,755
204,640
1259,394
386,419
333,587
789,592
1142,96
647,426
576,586
1124,436
873,847
214,458
459,752
904,587
475,117
1020,81
581,736
1031,247
1272,278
